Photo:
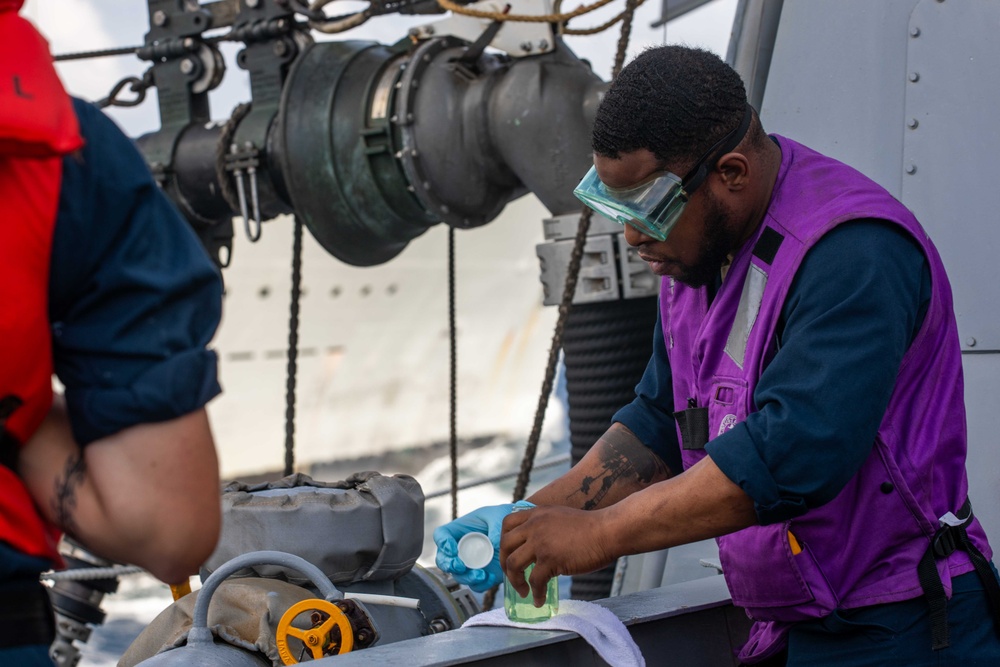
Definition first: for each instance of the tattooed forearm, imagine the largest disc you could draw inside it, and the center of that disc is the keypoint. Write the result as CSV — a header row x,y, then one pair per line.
x,y
622,458
614,467
64,499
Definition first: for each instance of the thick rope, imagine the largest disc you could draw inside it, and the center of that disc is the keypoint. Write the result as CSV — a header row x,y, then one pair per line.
x,y
627,17
524,18
453,404
569,290
293,349
604,26
572,273
340,24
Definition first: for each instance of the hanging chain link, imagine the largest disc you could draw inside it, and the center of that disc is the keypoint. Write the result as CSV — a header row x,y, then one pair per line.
x,y
453,340
293,348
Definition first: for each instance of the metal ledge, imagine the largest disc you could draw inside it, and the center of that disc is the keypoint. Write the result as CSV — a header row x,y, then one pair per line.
x,y
694,623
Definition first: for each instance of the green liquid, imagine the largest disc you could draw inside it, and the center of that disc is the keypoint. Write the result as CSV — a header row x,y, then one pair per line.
x,y
523,610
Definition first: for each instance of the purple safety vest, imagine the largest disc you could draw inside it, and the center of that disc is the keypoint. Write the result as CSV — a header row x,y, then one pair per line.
x,y
862,548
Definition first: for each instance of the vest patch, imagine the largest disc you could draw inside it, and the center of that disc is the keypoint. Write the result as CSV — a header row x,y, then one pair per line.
x,y
767,245
728,422
746,314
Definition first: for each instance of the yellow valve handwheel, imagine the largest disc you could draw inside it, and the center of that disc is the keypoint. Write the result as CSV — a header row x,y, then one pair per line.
x,y
316,639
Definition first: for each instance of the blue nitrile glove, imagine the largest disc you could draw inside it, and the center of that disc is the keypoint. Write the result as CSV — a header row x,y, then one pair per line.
x,y
486,520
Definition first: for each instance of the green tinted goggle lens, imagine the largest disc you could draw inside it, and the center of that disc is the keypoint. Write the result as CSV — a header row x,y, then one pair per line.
x,y
652,206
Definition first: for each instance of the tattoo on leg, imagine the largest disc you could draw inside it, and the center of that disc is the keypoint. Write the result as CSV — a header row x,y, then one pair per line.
x,y
64,501
622,456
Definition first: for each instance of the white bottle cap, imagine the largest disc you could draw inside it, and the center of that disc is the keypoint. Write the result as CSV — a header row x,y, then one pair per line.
x,y
475,550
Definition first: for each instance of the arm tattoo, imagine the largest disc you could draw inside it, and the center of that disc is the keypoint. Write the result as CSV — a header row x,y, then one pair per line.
x,y
64,500
622,457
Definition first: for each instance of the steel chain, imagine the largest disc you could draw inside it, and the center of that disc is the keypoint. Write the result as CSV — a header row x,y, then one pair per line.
x,y
453,342
293,348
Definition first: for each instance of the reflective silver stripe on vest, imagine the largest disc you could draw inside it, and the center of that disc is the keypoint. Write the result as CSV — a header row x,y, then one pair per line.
x,y
746,314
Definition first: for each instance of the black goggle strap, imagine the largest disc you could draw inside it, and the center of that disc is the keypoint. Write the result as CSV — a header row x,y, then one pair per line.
x,y
701,170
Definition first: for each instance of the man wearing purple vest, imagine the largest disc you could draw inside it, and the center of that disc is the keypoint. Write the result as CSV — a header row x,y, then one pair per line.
x,y
803,402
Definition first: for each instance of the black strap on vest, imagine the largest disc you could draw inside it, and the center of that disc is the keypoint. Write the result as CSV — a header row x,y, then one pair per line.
x,y
9,446
945,541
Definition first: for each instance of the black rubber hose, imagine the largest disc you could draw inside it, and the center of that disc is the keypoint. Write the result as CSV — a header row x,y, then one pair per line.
x,y
606,347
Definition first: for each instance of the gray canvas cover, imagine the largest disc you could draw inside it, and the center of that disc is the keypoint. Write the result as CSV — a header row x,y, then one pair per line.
x,y
369,527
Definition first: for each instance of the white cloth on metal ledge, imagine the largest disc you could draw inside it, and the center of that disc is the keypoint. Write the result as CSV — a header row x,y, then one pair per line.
x,y
597,625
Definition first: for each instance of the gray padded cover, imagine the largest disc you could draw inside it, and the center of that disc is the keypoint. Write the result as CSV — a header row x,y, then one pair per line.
x,y
368,527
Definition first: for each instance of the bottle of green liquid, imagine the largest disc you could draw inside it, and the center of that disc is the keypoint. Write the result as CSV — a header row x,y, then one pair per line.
x,y
522,609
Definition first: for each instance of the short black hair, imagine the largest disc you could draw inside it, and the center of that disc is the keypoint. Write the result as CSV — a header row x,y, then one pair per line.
x,y
674,101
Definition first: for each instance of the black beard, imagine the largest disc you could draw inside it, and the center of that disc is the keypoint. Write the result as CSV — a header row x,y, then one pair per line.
x,y
719,241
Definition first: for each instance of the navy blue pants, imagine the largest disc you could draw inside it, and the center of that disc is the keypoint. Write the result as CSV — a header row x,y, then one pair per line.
x,y
26,656
898,634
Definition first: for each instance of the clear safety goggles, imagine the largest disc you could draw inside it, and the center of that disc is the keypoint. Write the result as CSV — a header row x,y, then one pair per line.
x,y
654,205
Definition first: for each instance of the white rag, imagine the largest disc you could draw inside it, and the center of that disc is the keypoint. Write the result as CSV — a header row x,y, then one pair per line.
x,y
599,626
